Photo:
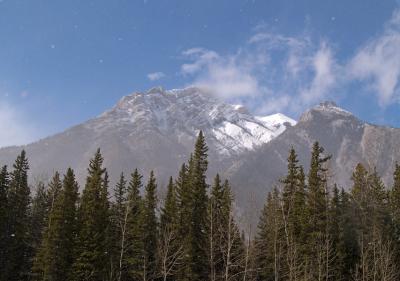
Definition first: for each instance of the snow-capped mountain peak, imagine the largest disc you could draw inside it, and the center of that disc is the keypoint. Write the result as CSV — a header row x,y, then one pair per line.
x,y
183,112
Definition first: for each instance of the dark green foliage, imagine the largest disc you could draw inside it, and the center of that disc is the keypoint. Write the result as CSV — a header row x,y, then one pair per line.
x,y
317,190
55,257
184,200
216,216
42,205
231,243
150,228
92,260
170,252
198,233
134,255
169,213
268,242
119,219
17,265
308,229
347,249
39,219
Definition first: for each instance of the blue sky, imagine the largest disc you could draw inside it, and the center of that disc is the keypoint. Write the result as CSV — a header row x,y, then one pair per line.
x,y
63,62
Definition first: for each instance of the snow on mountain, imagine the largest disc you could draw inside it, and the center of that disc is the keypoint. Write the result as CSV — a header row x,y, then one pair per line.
x,y
186,111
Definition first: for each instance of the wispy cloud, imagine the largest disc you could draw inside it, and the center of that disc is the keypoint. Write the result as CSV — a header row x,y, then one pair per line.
x,y
324,78
270,72
275,72
155,76
378,63
226,76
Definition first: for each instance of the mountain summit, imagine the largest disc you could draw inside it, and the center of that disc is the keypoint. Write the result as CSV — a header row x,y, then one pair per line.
x,y
155,130
348,139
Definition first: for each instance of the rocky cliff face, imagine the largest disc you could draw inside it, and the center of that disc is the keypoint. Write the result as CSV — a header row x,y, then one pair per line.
x,y
348,139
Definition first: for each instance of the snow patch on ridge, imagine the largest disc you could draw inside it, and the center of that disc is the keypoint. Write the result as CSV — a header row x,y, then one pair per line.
x,y
183,112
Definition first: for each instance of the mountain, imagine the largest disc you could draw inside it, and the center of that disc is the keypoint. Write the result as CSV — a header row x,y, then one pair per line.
x,y
154,130
157,130
348,139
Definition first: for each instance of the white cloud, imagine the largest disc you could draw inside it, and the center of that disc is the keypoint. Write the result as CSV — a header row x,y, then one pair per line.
x,y
323,65
14,131
270,73
228,77
155,76
200,58
378,63
274,72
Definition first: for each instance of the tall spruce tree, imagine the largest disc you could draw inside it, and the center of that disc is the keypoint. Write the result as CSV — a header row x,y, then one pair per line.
x,y
42,205
119,218
92,260
347,245
184,201
39,218
293,215
317,209
134,255
55,257
170,249
317,179
216,217
150,228
17,265
269,240
169,212
232,244
198,234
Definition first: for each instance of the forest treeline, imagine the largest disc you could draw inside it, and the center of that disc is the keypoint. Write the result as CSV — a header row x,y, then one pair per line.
x,y
309,228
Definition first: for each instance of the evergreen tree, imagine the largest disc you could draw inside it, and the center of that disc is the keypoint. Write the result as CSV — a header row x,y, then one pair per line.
x,y
184,201
42,205
317,192
4,185
294,211
92,260
347,246
317,209
39,218
119,205
291,183
269,240
17,265
170,248
198,234
134,256
232,244
119,218
379,204
150,228
216,216
395,210
55,257
169,212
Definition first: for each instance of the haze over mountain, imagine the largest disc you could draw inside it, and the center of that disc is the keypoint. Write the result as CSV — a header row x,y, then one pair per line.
x,y
157,130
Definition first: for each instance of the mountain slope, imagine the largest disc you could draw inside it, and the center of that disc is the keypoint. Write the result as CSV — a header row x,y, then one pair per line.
x,y
153,130
347,138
